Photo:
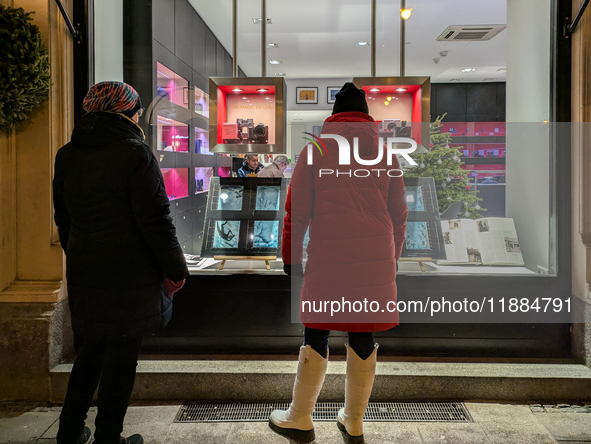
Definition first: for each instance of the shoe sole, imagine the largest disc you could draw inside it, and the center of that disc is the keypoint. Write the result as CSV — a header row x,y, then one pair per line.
x,y
295,434
349,439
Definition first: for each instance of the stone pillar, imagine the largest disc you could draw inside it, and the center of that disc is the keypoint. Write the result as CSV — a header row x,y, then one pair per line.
x,y
581,180
33,308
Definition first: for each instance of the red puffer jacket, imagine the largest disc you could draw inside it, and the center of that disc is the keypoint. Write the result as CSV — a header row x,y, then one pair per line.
x,y
357,226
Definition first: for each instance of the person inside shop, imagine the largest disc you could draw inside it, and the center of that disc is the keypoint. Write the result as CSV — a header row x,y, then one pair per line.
x,y
357,227
251,165
276,169
123,260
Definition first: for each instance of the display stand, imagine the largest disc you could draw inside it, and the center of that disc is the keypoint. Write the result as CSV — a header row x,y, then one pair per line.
x,y
420,261
245,258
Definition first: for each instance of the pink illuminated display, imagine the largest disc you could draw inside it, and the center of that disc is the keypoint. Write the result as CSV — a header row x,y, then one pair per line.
x,y
225,171
171,86
176,182
173,135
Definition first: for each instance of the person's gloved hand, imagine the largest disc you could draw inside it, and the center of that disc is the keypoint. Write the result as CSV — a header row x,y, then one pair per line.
x,y
293,270
171,287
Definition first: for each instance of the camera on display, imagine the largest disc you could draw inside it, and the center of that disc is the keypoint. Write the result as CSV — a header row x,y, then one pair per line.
x,y
396,128
245,131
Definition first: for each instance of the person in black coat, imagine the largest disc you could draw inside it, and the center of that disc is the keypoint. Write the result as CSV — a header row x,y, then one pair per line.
x,y
123,259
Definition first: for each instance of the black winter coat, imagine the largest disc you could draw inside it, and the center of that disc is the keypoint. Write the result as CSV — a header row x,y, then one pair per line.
x,y
112,214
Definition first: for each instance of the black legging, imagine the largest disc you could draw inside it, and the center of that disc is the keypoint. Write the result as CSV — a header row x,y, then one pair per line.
x,y
361,343
113,363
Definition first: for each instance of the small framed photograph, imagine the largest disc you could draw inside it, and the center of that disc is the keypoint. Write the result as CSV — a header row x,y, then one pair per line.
x,y
306,94
331,93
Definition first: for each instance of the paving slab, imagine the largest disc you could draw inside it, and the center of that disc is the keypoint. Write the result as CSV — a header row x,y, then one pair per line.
x,y
449,433
210,433
510,424
26,428
567,426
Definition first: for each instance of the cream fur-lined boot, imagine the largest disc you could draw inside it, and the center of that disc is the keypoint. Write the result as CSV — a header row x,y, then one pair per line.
x,y
358,384
296,422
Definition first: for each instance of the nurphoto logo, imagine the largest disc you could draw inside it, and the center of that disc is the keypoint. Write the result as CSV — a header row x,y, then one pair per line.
x,y
392,149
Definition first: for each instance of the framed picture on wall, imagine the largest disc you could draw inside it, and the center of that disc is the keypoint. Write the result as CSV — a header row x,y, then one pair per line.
x,y
331,93
306,94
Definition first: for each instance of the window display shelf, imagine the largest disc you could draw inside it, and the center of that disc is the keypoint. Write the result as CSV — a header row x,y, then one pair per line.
x,y
247,115
172,135
176,182
202,142
201,103
400,105
202,179
171,86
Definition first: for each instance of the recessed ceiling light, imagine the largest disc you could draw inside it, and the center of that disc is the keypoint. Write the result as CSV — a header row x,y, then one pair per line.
x,y
237,90
455,80
280,74
262,90
373,90
361,43
468,69
244,98
401,90
490,78
272,45
258,21
275,62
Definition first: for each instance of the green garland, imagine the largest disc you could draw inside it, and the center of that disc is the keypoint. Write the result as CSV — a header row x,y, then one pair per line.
x,y
24,67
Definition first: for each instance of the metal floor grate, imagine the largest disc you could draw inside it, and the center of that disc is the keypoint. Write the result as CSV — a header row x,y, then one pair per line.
x,y
324,411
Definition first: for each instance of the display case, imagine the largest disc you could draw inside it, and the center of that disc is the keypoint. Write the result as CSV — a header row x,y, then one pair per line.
x,y
176,182
171,86
201,103
202,179
247,115
172,135
201,143
400,105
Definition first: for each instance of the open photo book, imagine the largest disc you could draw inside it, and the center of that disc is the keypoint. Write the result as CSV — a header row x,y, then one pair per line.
x,y
488,241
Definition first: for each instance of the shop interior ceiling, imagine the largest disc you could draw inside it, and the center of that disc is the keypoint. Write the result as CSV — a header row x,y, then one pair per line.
x,y
316,38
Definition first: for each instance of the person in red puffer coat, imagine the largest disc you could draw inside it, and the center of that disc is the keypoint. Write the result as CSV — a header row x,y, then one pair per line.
x,y
356,215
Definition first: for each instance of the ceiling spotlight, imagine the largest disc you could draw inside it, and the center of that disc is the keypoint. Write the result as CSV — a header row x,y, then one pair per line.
x,y
401,90
272,45
468,69
258,21
237,90
361,43
386,103
389,98
405,13
262,90
373,90
275,62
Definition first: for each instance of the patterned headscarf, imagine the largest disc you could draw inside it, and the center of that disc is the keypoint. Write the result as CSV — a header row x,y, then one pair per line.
x,y
112,96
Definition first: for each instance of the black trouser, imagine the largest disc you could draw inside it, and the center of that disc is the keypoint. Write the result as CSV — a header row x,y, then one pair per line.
x,y
361,343
113,363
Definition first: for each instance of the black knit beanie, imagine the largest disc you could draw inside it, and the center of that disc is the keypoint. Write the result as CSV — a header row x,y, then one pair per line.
x,y
350,98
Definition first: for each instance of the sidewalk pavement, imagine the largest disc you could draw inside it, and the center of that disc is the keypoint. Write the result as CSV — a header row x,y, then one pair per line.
x,y
493,423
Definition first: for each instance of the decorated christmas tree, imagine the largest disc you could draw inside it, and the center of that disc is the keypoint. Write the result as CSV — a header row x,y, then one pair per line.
x,y
443,163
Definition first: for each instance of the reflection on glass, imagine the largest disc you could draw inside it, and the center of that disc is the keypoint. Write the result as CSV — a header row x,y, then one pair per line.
x,y
417,236
268,198
265,234
230,198
414,199
226,234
